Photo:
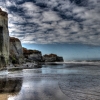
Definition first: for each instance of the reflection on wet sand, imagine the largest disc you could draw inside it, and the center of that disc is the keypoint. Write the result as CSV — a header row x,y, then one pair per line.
x,y
9,87
39,89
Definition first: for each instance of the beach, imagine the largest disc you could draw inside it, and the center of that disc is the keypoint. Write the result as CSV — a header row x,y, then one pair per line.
x,y
52,82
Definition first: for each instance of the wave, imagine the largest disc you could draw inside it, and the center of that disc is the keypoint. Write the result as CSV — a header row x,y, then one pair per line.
x,y
83,62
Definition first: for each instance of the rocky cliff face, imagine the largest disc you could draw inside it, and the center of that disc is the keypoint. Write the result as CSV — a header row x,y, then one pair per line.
x,y
32,55
52,58
4,39
16,51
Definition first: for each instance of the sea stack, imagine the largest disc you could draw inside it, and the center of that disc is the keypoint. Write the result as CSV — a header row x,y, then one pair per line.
x,y
4,39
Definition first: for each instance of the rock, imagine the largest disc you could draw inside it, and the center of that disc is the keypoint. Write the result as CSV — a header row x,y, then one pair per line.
x,y
16,51
4,39
32,55
52,58
60,59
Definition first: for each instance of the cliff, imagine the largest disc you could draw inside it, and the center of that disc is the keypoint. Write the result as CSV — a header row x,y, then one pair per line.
x,y
11,48
16,51
52,58
32,55
4,39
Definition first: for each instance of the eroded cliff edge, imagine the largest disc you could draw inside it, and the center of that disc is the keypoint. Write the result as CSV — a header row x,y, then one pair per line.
x,y
32,55
4,39
16,51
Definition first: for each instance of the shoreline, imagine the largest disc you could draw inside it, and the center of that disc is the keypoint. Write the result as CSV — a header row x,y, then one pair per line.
x,y
31,65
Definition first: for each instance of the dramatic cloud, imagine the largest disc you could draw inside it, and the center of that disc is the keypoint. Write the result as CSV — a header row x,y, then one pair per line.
x,y
54,21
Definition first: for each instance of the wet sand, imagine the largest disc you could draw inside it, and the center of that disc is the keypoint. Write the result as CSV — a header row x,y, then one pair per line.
x,y
6,96
54,83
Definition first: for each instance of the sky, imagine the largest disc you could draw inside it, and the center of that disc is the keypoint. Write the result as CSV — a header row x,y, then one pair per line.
x,y
69,28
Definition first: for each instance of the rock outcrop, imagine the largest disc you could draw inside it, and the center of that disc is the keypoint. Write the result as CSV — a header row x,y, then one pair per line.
x,y
52,58
32,55
16,51
4,39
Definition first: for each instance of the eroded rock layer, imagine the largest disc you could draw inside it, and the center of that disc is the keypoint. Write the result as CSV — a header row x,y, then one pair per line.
x,y
16,51
52,58
32,55
4,39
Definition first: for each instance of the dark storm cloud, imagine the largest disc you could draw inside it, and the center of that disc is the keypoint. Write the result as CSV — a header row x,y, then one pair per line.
x,y
54,21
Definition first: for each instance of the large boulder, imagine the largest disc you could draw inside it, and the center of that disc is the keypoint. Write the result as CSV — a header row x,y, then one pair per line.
x,y
32,55
52,58
4,39
16,51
